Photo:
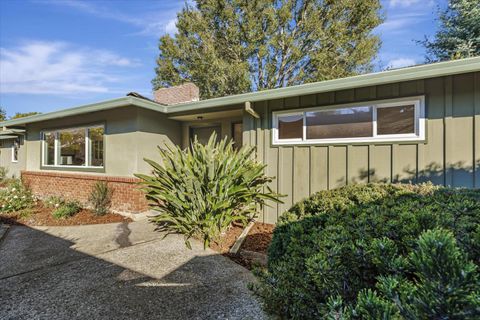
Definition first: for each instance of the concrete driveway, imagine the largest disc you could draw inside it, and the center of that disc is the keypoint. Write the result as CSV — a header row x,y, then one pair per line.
x,y
117,271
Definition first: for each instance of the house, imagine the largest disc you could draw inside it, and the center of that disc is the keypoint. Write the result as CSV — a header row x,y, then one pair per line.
x,y
416,124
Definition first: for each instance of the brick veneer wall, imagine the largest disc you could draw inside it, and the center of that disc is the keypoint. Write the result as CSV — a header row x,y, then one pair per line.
x,y
126,197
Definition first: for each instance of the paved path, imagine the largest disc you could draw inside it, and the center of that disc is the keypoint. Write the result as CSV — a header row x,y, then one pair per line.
x,y
117,271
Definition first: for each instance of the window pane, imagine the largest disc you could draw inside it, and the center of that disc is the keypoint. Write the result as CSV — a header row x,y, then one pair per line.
x,y
49,148
396,120
16,146
72,147
96,146
340,123
290,127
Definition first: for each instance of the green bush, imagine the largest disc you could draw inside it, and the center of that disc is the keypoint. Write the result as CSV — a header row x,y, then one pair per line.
x,y
3,175
335,249
202,190
54,202
67,210
101,198
443,284
15,197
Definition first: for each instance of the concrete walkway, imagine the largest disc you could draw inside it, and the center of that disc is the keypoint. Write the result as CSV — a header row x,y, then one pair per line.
x,y
117,271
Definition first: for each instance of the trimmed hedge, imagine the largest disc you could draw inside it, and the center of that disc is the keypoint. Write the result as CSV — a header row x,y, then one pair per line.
x,y
336,253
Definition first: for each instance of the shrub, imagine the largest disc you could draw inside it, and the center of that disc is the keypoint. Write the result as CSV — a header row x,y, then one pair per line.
x,y
336,244
54,202
101,198
3,175
202,190
16,196
67,210
444,284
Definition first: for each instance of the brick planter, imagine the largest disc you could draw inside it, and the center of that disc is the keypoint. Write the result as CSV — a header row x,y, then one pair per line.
x,y
126,198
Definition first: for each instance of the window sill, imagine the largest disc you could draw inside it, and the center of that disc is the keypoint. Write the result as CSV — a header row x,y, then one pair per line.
x,y
389,140
74,168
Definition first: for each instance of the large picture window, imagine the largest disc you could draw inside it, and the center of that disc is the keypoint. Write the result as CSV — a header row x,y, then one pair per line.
x,y
74,147
391,120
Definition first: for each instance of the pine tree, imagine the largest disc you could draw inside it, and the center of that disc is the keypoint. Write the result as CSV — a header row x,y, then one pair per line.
x,y
459,32
3,114
235,46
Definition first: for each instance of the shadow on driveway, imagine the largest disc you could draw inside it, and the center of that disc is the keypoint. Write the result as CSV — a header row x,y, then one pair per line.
x,y
42,276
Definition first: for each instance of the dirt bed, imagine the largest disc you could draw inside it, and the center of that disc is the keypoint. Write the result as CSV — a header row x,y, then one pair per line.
x,y
42,216
256,243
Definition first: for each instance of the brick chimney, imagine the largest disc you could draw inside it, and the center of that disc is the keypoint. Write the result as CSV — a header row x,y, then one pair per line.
x,y
186,92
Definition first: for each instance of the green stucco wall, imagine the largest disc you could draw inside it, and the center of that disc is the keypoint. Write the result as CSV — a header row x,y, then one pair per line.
x,y
14,168
131,134
449,156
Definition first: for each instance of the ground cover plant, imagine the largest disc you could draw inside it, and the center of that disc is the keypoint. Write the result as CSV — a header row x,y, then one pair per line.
x,y
66,209
202,190
16,196
376,252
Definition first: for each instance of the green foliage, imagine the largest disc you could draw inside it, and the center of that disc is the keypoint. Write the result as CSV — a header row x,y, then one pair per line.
x,y
459,32
3,175
202,190
16,196
54,202
342,247
26,114
101,198
66,210
234,46
443,284
3,114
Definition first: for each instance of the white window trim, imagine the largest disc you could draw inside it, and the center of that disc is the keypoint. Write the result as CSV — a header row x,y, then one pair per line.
x,y
13,149
419,135
57,148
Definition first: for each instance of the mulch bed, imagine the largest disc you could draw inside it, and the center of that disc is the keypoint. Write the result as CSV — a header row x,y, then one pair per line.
x,y
256,243
227,240
41,215
259,237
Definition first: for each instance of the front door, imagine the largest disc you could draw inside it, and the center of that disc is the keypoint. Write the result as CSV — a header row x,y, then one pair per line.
x,y
204,133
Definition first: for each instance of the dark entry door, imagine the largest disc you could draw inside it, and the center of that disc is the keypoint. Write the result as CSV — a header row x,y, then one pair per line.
x,y
204,133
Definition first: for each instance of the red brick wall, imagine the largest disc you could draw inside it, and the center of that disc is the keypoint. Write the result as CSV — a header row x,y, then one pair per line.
x,y
126,195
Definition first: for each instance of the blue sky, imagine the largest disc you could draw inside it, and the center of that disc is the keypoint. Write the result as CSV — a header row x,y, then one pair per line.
x,y
58,54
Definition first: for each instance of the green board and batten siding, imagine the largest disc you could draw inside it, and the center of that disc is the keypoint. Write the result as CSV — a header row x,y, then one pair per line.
x,y
449,156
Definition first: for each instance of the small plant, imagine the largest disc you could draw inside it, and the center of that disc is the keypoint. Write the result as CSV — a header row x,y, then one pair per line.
x,y
67,210
202,190
54,202
16,197
101,198
3,175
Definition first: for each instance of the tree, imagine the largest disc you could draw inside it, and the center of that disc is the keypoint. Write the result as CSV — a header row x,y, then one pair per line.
x,y
235,46
26,114
3,114
459,32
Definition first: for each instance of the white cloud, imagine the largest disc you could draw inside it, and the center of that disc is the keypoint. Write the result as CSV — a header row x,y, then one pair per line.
x,y
403,3
401,22
400,63
58,68
171,27
151,23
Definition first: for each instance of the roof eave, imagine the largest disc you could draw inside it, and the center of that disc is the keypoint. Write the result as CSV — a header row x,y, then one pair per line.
x,y
94,107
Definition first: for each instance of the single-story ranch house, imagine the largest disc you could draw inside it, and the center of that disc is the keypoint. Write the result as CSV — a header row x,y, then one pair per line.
x,y
414,124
